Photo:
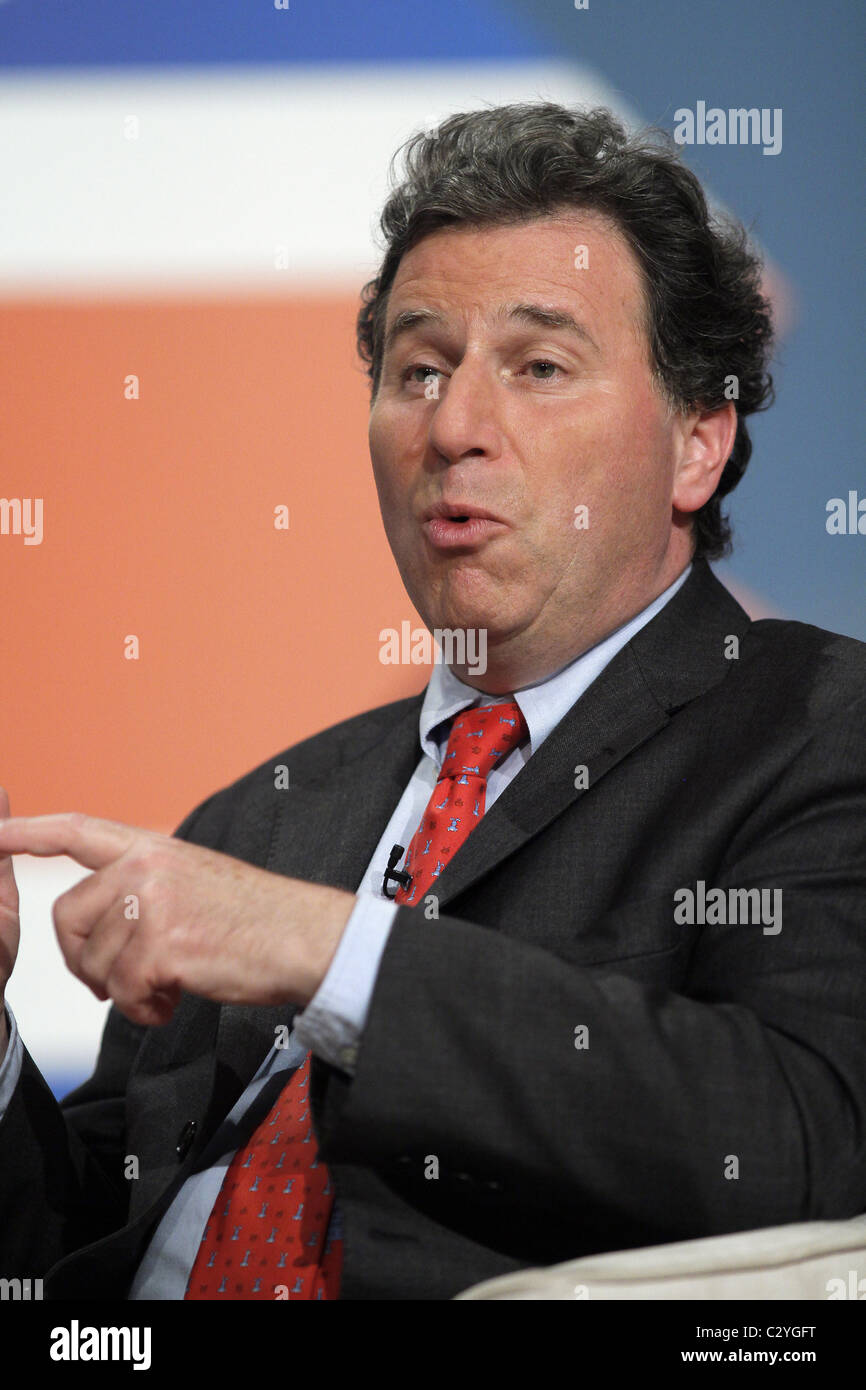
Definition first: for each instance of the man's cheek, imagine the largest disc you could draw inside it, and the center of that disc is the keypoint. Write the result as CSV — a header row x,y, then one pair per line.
x,y
392,498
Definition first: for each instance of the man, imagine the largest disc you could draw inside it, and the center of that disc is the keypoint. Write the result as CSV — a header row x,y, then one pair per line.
x,y
621,997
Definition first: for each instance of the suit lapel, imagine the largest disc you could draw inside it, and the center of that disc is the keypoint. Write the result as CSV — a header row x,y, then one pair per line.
x,y
611,719
340,816
676,657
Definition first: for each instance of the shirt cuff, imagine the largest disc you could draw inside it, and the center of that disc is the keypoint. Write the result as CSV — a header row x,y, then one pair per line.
x,y
10,1067
332,1023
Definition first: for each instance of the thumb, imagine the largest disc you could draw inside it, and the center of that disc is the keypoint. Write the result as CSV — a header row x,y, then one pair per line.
x,y
9,925
8,886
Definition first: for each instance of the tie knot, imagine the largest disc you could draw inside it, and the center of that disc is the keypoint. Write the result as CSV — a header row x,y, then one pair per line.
x,y
479,738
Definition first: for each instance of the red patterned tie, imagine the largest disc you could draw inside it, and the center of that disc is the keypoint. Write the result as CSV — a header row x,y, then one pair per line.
x,y
265,1237
267,1231
479,739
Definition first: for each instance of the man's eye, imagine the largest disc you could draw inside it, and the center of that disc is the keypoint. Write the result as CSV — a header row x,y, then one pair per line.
x,y
410,372
548,367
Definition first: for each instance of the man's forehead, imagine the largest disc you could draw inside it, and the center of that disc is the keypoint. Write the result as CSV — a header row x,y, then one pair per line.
x,y
576,263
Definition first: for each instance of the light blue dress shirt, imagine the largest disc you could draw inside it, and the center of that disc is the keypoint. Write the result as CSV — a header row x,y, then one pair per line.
x,y
332,1024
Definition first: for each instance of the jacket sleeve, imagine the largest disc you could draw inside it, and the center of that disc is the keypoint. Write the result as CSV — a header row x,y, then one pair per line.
x,y
733,1101
61,1164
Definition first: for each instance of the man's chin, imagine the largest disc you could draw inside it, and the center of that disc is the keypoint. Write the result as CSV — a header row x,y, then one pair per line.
x,y
471,601
476,621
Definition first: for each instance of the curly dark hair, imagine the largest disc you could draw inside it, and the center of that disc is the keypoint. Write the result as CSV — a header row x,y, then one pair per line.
x,y
706,319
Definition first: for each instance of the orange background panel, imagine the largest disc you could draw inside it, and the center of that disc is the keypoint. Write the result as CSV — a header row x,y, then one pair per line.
x,y
158,522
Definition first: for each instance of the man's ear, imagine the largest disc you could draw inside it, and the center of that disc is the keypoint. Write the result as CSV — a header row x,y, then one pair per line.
x,y
706,440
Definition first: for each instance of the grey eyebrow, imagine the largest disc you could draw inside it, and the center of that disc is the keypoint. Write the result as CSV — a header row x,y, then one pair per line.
x,y
409,319
535,315
539,317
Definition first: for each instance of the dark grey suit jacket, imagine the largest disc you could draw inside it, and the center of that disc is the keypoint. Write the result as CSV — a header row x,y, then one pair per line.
x,y
723,1087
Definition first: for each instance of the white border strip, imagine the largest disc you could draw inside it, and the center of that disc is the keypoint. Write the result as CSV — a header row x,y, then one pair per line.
x,y
226,167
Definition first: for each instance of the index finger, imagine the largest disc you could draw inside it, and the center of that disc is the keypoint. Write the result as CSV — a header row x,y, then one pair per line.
x,y
88,839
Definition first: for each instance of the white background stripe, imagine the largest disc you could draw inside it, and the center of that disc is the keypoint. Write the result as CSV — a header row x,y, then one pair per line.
x,y
227,167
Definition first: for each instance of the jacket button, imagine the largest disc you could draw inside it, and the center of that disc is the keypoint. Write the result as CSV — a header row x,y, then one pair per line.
x,y
185,1138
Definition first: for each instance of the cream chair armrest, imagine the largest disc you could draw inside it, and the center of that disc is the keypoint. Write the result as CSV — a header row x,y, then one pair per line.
x,y
806,1260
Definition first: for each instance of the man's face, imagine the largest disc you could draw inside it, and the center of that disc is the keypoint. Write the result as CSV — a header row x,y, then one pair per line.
x,y
533,420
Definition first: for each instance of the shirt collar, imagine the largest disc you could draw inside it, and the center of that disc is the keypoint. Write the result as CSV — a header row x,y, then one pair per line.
x,y
542,705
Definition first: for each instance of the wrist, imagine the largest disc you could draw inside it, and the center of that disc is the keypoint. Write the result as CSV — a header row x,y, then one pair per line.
x,y
328,911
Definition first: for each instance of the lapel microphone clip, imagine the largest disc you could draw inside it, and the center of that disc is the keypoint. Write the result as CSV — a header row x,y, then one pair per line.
x,y
402,879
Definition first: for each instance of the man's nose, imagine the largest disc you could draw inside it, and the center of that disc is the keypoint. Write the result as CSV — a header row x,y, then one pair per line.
x,y
464,419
